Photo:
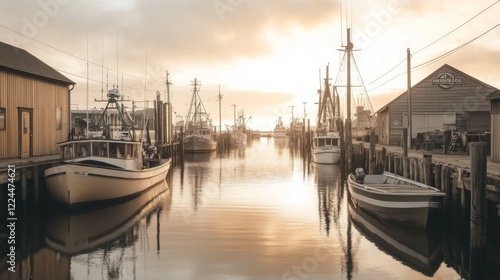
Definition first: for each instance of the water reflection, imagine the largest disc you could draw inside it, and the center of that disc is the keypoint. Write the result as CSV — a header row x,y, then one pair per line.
x,y
76,232
417,248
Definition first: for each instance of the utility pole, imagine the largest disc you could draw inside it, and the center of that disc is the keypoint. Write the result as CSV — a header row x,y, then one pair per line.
x,y
305,114
408,70
234,109
220,119
292,111
169,111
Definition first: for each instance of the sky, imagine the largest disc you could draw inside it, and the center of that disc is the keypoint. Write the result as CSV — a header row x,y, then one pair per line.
x,y
267,57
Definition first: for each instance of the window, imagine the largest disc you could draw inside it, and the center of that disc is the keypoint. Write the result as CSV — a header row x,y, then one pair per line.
x,y
2,118
58,118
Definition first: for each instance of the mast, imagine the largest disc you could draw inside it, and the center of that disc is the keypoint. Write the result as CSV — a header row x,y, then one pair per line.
x,y
220,120
169,110
348,127
408,70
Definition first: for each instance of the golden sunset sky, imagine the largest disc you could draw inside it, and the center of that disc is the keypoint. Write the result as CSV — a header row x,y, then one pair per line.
x,y
265,55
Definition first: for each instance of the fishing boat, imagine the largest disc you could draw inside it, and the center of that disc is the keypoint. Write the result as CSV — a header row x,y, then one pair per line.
x,y
279,129
108,164
395,198
326,139
419,249
199,131
239,131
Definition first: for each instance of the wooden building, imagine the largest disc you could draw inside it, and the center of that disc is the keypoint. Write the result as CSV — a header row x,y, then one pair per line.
x,y
447,99
34,105
494,99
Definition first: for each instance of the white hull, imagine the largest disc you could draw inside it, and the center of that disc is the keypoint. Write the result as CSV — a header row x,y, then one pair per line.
x,y
278,133
326,155
197,144
73,184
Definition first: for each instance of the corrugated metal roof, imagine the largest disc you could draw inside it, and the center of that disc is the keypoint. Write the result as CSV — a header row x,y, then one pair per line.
x,y
19,60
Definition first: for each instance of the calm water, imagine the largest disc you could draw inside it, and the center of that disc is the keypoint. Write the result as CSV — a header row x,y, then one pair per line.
x,y
257,212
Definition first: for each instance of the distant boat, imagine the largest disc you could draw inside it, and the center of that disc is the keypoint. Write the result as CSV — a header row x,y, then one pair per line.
x,y
279,129
108,167
256,134
326,139
199,132
296,127
239,131
395,198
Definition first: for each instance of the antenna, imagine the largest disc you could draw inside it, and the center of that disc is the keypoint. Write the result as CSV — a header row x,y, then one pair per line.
x,y
87,89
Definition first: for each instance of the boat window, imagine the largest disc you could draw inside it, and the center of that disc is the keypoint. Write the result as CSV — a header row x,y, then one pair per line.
x,y
321,142
67,151
82,149
100,149
117,150
328,142
129,151
335,142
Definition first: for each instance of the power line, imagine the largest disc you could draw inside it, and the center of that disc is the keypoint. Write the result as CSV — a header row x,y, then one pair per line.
x,y
428,45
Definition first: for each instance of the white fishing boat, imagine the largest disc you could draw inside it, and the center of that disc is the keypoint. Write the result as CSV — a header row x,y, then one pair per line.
x,y
109,167
279,129
395,198
326,139
239,131
199,132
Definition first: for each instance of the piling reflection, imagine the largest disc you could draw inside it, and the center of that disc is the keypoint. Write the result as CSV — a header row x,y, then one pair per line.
x,y
416,248
326,177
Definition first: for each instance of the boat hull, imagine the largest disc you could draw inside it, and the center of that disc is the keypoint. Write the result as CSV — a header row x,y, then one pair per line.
x,y
412,209
75,184
326,155
195,144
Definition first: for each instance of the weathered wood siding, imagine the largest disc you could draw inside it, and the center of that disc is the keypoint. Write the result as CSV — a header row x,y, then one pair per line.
x,y
17,91
428,98
382,127
495,130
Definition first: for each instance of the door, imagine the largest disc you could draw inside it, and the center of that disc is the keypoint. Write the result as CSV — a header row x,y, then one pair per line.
x,y
25,133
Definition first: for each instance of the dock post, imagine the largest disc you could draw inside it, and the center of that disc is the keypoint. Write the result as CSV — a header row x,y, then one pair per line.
x,y
445,186
406,167
437,176
412,168
384,159
405,142
398,170
372,163
427,170
478,213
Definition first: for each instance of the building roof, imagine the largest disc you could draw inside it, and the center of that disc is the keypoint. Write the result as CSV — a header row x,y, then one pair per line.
x,y
21,61
494,95
493,89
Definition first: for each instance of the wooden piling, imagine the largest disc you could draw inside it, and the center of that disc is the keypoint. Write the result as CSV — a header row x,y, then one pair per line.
x,y
383,158
446,186
371,153
427,169
24,187
405,142
478,213
406,167
398,169
437,175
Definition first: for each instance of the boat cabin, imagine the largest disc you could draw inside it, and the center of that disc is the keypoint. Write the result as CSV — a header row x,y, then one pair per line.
x,y
122,154
330,139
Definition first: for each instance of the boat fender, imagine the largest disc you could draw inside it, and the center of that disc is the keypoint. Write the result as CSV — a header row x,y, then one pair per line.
x,y
359,173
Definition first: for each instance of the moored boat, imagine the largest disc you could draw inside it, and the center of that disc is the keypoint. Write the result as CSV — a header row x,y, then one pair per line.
x,y
326,139
279,129
199,132
110,167
395,198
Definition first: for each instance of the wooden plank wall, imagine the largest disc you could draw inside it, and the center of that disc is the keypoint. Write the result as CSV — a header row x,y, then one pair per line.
x,y
431,99
42,97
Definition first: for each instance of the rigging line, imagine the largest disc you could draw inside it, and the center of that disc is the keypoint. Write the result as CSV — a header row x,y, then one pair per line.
x,y
72,55
455,49
387,72
457,27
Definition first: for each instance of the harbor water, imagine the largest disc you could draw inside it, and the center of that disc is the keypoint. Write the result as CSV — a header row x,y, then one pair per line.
x,y
255,212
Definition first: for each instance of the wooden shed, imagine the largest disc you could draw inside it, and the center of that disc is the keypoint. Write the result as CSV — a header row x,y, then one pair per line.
x,y
494,99
34,105
447,99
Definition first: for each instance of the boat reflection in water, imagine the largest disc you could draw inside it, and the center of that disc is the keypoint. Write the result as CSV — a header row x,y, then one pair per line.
x,y
199,157
76,232
416,248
